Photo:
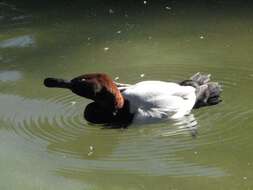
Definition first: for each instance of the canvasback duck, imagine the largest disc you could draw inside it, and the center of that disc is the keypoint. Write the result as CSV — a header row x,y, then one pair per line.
x,y
118,104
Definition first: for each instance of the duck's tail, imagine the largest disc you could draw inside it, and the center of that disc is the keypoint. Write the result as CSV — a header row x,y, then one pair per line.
x,y
207,92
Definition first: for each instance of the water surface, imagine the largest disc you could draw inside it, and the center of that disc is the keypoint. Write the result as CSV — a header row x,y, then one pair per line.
x,y
46,143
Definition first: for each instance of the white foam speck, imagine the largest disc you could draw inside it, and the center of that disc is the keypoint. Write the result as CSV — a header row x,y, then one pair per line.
x,y
111,11
90,153
168,8
91,149
73,103
142,75
106,48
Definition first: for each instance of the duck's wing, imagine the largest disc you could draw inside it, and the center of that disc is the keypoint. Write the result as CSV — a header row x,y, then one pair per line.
x,y
160,99
153,89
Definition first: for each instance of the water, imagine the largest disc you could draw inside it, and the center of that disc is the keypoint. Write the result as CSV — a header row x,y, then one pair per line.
x,y
46,143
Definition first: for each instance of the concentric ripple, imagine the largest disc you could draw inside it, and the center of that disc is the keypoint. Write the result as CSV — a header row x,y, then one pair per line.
x,y
56,118
156,149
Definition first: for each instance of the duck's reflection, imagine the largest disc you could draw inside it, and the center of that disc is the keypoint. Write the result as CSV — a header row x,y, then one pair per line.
x,y
185,125
149,150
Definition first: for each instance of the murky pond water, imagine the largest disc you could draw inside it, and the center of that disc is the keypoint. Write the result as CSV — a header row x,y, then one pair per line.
x,y
45,142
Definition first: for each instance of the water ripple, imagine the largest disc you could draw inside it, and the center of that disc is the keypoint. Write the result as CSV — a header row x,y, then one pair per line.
x,y
49,119
149,150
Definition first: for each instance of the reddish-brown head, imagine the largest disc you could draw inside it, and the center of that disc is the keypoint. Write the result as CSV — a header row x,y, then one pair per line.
x,y
97,86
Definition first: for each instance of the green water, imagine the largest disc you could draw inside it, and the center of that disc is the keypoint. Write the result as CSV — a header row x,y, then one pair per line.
x,y
46,144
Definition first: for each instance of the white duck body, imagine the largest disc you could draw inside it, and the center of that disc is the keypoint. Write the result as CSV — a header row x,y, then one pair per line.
x,y
152,101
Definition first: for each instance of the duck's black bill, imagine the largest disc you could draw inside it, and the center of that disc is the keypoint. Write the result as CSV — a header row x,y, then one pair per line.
x,y
57,83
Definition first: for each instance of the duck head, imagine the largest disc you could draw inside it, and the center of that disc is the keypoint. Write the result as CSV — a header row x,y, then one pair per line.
x,y
98,87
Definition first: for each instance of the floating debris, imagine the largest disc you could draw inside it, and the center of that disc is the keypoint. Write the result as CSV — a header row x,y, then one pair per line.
x,y
168,8
142,75
73,103
116,78
111,11
201,37
118,32
195,152
106,48
91,149
90,153
89,38
245,178
145,2
150,38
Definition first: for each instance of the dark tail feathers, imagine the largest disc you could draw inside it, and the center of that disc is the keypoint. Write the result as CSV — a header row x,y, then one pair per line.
x,y
207,92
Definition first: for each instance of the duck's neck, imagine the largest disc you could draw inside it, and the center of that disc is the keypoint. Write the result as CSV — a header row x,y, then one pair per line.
x,y
97,114
124,116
